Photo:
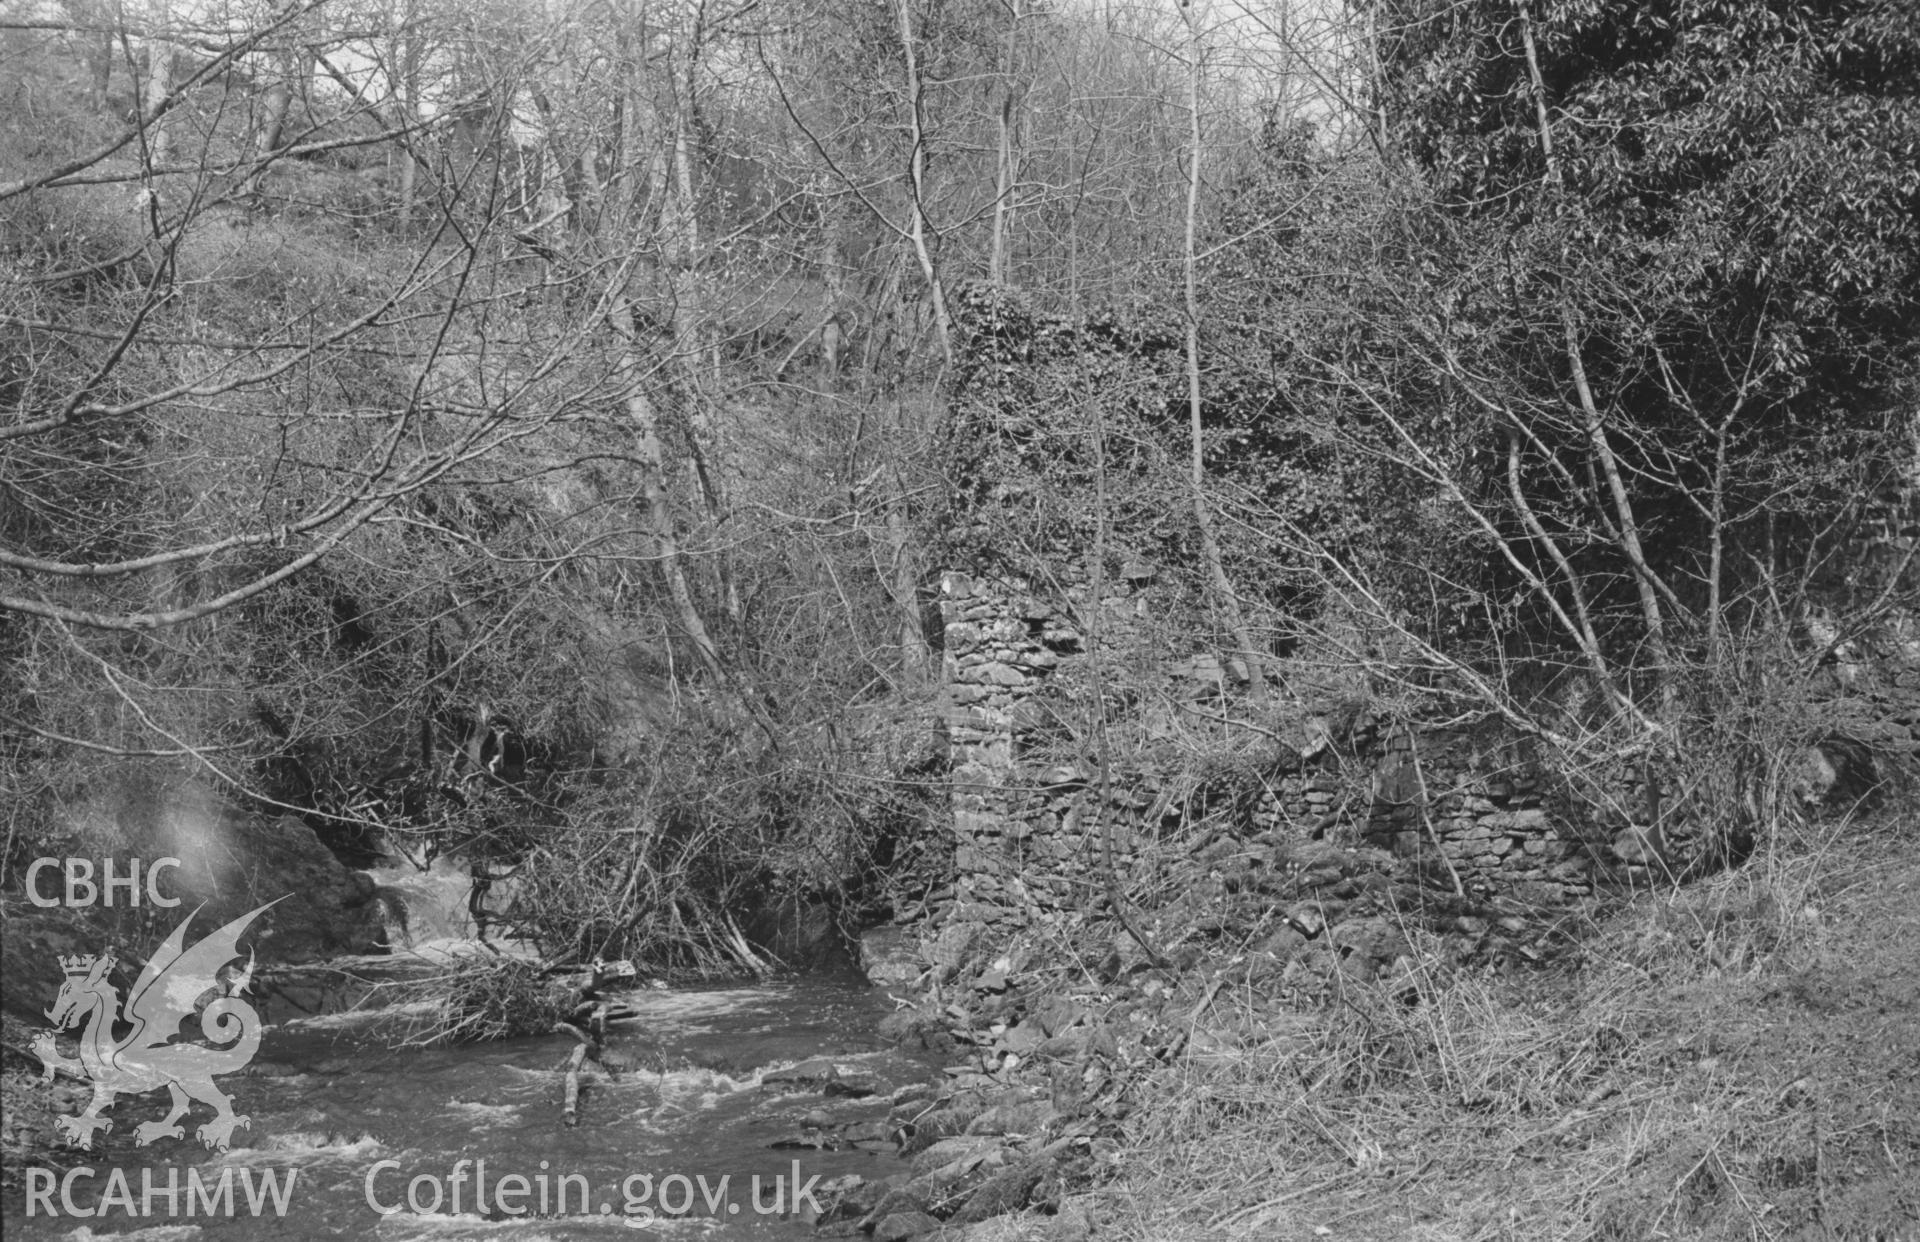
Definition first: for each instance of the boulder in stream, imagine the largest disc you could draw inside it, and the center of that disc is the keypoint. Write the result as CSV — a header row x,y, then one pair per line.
x,y
815,1073
889,956
323,908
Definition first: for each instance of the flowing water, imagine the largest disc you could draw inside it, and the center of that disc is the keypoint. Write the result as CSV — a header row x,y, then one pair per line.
x,y
378,1142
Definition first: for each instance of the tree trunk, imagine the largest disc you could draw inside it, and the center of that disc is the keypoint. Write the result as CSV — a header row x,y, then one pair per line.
x,y
1004,179
1626,528
693,352
100,70
159,83
916,185
409,54
1652,615
275,108
916,658
1225,600
632,370
833,281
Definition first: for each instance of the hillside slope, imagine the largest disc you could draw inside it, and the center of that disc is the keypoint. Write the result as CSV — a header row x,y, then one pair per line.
x,y
1736,1059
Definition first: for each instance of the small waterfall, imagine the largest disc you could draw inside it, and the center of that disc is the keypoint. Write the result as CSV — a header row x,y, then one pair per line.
x,y
424,907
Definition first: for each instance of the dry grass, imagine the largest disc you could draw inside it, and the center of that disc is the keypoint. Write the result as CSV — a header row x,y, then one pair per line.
x,y
1734,1059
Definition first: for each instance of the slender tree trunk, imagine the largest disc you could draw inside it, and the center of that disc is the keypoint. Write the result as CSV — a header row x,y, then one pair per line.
x,y
917,185
916,658
1652,615
1582,632
273,122
409,57
833,280
275,108
1225,600
694,356
645,423
1003,187
159,82
1716,559
558,164
591,178
100,55
1593,424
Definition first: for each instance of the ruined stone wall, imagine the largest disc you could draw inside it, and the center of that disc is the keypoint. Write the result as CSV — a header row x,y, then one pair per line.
x,y
1036,827
1478,802
1001,644
1036,821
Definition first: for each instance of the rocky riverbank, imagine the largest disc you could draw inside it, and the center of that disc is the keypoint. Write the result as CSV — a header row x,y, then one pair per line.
x,y
1053,1029
1314,1041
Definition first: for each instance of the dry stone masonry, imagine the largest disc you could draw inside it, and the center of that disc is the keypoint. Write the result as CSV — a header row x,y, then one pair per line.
x,y
1037,823
1028,821
1477,801
1002,643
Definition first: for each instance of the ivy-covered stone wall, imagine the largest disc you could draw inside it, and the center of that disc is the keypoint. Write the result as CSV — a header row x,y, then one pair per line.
x,y
1038,824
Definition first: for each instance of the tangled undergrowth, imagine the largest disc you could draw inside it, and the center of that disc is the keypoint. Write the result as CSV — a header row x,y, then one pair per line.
x,y
476,999
1740,1058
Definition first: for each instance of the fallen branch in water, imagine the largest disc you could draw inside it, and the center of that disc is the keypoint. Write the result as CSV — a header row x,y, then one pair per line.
x,y
736,943
590,1045
571,1111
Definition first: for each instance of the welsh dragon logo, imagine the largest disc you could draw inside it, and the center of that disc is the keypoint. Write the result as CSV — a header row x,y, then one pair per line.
x,y
175,979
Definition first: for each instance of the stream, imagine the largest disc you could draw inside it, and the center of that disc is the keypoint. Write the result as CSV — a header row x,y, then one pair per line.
x,y
469,1141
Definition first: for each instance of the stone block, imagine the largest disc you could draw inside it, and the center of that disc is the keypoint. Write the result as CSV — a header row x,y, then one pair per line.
x,y
984,719
956,942
1637,845
1523,822
888,956
977,813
